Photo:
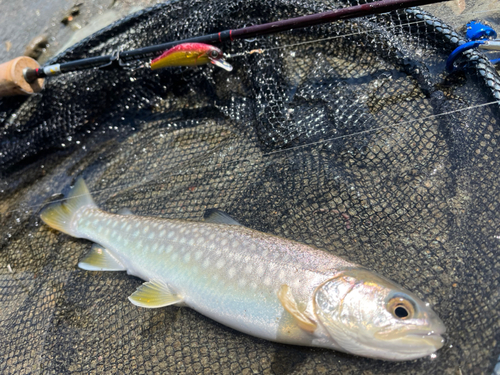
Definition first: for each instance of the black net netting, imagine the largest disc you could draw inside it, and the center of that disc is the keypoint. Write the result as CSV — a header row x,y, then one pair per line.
x,y
348,136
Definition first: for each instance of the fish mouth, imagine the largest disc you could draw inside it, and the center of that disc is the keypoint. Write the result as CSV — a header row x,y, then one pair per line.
x,y
432,337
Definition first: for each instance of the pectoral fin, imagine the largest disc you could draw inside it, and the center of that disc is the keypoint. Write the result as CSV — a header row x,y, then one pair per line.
x,y
153,294
100,259
289,304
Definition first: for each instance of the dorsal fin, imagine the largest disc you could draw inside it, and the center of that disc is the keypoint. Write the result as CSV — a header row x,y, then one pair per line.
x,y
215,216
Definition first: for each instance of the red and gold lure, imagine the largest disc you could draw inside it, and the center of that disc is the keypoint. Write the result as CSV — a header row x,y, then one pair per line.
x,y
191,54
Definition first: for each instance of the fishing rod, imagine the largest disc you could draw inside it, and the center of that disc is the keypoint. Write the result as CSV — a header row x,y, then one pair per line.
x,y
24,76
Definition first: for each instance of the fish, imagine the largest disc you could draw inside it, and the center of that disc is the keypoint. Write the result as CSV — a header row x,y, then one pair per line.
x,y
257,283
191,54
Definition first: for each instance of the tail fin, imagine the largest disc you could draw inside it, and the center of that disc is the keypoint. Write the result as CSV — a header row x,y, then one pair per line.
x,y
59,215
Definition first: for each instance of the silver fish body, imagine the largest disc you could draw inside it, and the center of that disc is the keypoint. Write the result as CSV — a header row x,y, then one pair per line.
x,y
229,273
260,284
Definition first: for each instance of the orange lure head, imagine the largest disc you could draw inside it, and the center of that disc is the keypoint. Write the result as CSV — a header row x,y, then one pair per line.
x,y
191,54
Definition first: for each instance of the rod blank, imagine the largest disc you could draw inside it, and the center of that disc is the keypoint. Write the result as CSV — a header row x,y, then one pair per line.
x,y
371,8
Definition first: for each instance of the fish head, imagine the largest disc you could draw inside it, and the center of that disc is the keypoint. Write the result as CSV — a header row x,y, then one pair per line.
x,y
368,315
216,57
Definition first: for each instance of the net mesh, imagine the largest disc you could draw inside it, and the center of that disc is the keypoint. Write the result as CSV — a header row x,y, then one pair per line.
x,y
347,136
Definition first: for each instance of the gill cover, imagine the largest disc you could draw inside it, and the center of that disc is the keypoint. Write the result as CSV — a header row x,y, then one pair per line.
x,y
368,315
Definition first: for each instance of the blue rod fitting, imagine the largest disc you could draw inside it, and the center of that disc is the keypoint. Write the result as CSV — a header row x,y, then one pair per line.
x,y
459,50
477,30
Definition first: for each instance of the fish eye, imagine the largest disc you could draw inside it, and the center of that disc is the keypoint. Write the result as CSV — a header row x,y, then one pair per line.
x,y
214,53
401,308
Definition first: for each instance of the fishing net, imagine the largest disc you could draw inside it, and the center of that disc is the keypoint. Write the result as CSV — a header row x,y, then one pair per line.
x,y
347,136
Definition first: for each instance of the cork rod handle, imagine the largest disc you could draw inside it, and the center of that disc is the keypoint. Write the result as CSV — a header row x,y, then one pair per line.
x,y
12,80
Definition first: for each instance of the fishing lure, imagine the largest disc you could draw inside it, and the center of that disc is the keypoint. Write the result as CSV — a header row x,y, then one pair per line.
x,y
191,54
257,283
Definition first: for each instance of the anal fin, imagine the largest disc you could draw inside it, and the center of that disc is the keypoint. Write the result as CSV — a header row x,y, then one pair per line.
x,y
290,305
100,259
153,294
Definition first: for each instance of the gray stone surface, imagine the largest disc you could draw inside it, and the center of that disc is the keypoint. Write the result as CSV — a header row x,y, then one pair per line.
x,y
23,20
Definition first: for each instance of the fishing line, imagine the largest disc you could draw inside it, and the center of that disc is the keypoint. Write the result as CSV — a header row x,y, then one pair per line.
x,y
262,50
294,148
369,32
393,125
